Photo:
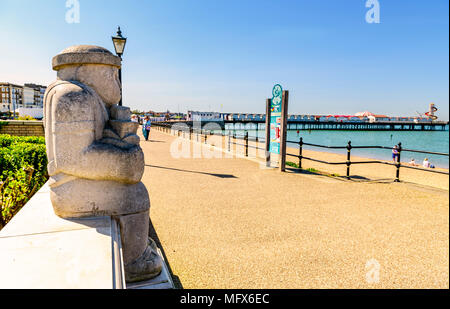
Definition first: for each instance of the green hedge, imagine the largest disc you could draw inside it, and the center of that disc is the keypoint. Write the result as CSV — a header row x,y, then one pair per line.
x,y
6,140
23,171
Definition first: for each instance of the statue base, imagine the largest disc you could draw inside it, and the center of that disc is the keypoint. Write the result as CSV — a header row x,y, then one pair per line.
x,y
162,281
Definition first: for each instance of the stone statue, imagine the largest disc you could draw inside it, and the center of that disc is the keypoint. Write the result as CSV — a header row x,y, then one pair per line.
x,y
95,161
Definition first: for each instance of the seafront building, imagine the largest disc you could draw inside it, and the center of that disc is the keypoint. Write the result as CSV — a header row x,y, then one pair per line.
x,y
14,97
10,97
35,95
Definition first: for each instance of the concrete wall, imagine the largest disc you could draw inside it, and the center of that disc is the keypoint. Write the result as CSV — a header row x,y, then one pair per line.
x,y
22,128
56,253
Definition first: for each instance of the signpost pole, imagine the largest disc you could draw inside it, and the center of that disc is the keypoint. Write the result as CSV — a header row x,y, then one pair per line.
x,y
284,116
268,115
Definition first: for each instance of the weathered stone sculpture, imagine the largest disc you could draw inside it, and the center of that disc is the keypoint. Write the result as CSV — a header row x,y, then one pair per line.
x,y
95,162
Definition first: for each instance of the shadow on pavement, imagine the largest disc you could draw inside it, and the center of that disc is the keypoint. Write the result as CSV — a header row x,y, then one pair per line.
x,y
152,233
353,178
195,172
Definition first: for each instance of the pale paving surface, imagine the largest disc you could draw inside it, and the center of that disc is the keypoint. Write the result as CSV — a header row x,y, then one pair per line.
x,y
264,229
39,250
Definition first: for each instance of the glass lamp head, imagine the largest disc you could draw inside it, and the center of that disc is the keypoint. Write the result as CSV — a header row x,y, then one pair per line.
x,y
119,43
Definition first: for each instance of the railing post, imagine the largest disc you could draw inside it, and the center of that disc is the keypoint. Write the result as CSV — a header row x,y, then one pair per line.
x,y
206,139
300,155
397,176
246,144
349,148
229,141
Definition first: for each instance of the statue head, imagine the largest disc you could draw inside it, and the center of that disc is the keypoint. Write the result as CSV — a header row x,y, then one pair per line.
x,y
93,66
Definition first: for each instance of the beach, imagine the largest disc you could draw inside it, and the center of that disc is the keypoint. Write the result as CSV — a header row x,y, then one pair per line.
x,y
229,223
371,172
359,172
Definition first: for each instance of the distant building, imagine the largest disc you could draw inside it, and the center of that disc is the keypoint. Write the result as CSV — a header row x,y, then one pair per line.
x,y
13,97
204,116
10,97
28,97
378,118
38,94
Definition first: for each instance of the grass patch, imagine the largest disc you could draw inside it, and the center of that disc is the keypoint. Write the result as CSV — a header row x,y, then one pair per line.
x,y
291,164
312,170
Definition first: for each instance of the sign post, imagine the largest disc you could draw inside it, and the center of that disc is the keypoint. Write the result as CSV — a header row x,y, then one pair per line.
x,y
276,125
284,117
275,119
268,113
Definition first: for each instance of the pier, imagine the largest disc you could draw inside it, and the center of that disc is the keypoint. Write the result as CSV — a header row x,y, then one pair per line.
x,y
322,125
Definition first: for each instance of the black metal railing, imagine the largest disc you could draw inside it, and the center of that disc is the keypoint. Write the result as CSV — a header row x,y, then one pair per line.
x,y
398,164
202,135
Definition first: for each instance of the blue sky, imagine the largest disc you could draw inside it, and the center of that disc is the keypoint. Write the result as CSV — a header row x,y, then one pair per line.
x,y
227,55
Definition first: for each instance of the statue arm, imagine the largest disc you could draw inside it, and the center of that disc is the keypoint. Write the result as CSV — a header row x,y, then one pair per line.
x,y
77,152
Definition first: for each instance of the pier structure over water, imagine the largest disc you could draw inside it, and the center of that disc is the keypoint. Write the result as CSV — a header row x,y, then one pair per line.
x,y
294,124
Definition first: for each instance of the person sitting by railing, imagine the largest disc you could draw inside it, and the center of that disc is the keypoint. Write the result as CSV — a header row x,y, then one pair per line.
x,y
413,162
427,164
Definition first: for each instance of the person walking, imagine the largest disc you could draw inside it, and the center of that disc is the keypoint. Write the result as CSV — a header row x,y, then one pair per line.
x,y
395,154
146,126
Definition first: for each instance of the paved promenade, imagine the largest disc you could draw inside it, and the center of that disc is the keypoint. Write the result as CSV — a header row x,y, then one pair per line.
x,y
227,223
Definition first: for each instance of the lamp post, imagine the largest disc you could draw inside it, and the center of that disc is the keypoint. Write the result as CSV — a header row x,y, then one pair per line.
x,y
119,44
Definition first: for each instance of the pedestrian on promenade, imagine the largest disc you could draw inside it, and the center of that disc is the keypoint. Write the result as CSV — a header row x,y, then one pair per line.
x,y
395,154
134,118
146,126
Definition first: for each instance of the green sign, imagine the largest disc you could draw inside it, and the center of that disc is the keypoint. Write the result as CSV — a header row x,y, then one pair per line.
x,y
275,119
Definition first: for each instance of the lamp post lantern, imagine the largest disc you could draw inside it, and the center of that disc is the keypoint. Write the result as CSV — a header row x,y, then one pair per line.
x,y
119,45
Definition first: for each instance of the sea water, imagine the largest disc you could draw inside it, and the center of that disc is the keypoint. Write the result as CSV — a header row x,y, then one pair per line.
x,y
432,141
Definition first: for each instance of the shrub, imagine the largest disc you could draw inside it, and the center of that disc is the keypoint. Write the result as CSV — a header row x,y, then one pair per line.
x,y
6,140
23,171
26,117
